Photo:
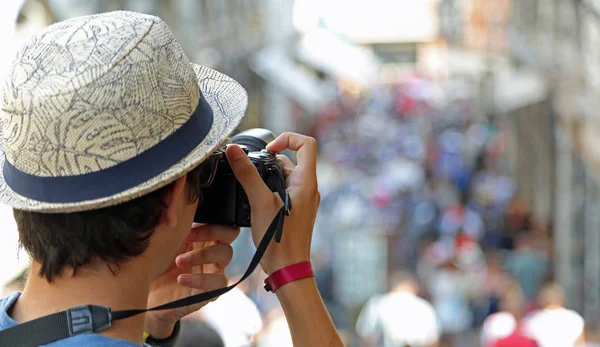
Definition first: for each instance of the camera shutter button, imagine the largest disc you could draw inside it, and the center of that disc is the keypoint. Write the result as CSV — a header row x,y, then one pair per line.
x,y
268,153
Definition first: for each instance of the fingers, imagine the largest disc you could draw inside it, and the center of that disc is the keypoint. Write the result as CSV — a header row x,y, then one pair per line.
x,y
288,165
219,254
246,174
211,232
205,282
305,146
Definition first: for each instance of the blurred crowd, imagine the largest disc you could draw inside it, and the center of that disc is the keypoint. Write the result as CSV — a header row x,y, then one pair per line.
x,y
431,173
466,263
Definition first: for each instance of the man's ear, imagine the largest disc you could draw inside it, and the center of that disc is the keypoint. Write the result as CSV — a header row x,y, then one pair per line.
x,y
175,193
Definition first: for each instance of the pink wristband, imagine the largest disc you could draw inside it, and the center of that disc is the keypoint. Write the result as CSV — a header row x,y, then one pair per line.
x,y
288,274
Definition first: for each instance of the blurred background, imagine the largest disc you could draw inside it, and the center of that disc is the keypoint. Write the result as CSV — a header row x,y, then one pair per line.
x,y
459,160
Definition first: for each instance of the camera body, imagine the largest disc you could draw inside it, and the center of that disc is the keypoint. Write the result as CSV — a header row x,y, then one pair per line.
x,y
225,202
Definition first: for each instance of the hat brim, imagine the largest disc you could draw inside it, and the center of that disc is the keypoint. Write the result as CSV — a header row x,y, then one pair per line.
x,y
228,101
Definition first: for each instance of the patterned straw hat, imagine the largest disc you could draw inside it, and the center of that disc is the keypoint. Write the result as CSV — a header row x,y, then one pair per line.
x,y
102,109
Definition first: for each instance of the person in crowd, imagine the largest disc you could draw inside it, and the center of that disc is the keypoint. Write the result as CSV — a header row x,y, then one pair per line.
x,y
399,318
516,339
494,238
109,138
462,218
451,162
276,332
491,187
195,332
504,328
494,282
236,329
554,325
527,265
451,290
518,217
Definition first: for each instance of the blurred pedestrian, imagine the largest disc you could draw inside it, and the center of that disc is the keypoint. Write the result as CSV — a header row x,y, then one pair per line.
x,y
527,265
554,325
461,218
399,318
494,284
450,289
516,340
240,328
276,332
504,328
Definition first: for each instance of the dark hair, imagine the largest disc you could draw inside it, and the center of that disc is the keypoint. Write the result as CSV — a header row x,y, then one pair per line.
x,y
552,294
112,234
401,277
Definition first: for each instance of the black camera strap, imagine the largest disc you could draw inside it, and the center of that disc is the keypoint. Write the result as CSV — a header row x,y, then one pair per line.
x,y
93,319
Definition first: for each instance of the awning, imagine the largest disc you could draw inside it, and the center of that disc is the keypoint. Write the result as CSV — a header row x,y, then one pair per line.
x,y
339,58
298,83
517,89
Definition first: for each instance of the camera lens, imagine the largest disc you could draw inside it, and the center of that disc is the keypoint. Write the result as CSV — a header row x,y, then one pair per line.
x,y
255,139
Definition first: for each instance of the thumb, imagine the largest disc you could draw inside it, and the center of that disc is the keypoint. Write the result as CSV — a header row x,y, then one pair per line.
x,y
246,173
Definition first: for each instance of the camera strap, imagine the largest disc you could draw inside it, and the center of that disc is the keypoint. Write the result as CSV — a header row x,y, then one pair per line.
x,y
93,318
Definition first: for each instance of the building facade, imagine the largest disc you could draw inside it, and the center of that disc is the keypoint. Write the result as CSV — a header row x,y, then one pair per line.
x,y
558,41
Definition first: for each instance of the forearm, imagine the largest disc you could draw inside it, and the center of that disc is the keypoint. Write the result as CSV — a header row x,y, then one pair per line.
x,y
309,321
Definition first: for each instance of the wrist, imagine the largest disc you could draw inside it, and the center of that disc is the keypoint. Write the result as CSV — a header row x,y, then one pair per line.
x,y
168,341
278,265
158,329
289,274
300,284
288,295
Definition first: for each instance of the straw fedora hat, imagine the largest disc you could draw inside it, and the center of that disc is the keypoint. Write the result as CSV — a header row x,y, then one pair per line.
x,y
101,109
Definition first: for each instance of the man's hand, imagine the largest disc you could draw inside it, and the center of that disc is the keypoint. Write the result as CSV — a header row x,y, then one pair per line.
x,y
301,182
305,312
199,267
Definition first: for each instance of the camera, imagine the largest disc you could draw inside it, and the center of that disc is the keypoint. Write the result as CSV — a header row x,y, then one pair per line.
x,y
224,201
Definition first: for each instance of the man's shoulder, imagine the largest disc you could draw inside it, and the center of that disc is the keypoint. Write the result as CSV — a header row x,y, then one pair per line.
x,y
425,307
415,302
544,314
5,304
87,340
91,340
8,300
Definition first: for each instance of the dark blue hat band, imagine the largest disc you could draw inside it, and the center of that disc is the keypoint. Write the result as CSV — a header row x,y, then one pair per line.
x,y
118,178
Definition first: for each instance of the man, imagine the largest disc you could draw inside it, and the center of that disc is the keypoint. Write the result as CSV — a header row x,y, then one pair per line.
x,y
528,265
399,318
504,328
107,134
554,325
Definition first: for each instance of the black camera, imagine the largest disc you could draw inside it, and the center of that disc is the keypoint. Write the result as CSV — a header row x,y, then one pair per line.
x,y
224,201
